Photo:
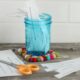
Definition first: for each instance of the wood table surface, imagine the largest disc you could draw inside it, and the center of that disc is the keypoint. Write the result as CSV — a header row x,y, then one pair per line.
x,y
42,75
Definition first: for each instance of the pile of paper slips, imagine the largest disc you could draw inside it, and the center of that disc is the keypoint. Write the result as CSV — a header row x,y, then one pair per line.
x,y
63,68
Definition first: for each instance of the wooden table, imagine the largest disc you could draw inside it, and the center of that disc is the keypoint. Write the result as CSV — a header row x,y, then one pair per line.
x,y
43,75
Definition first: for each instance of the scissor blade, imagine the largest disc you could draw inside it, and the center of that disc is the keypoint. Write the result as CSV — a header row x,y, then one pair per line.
x,y
8,63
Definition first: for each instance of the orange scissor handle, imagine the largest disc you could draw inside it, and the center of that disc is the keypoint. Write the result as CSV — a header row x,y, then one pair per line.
x,y
24,70
33,67
28,69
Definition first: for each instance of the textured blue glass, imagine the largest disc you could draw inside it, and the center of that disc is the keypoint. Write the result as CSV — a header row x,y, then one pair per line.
x,y
37,35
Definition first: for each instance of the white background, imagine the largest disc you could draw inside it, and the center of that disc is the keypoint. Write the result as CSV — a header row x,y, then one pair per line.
x,y
65,26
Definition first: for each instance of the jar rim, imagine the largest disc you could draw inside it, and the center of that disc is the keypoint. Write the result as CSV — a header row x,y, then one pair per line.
x,y
44,17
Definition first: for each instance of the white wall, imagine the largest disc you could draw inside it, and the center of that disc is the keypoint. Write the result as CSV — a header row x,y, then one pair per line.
x,y
65,27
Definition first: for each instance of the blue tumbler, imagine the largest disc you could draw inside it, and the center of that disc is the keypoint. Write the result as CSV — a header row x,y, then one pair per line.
x,y
37,35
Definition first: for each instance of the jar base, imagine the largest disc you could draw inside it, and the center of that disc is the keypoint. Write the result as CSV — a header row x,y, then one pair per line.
x,y
36,53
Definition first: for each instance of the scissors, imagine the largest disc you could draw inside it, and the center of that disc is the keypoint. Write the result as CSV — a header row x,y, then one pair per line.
x,y
23,68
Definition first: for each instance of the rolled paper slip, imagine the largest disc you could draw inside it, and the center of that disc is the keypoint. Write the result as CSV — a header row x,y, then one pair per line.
x,y
34,9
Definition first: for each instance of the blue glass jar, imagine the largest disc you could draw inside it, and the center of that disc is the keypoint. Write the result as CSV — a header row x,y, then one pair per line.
x,y
37,35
